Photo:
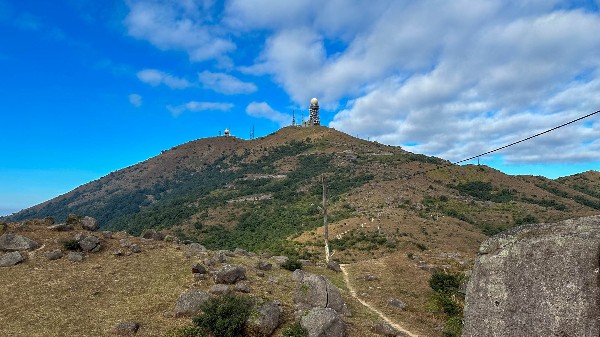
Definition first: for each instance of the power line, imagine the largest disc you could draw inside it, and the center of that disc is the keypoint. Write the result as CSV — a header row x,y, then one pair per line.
x,y
509,145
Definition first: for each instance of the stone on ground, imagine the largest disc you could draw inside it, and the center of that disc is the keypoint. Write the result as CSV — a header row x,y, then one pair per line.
x,y
10,259
14,242
323,322
189,302
229,274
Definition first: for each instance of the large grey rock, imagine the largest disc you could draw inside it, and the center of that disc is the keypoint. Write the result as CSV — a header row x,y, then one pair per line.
x,y
75,257
189,302
537,280
89,223
153,235
219,289
194,249
263,265
323,322
229,274
13,242
54,254
89,243
265,320
316,291
10,259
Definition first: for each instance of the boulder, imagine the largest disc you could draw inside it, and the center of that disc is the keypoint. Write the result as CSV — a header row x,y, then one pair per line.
x,y
89,243
189,302
10,259
153,235
220,256
135,248
264,321
14,242
334,266
61,227
75,257
229,274
263,265
194,249
537,280
125,243
396,303
323,322
313,290
89,223
241,252
54,254
198,269
385,329
126,328
242,287
219,289
280,259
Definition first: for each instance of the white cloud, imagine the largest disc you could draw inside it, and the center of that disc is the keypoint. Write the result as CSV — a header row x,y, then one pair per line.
x,y
225,84
184,25
450,78
195,106
156,77
135,100
264,110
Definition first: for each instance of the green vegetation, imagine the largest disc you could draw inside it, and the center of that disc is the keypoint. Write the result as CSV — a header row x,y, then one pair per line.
x,y
71,245
484,191
360,240
292,264
449,300
186,331
294,330
224,316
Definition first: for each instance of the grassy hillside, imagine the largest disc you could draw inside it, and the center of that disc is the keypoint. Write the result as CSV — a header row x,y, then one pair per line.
x,y
227,193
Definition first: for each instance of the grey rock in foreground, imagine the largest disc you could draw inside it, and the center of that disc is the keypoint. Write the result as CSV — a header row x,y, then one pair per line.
x,y
10,259
323,322
316,291
54,254
189,303
537,280
14,242
89,223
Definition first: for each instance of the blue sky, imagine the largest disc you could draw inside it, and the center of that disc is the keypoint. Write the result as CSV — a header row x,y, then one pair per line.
x,y
89,87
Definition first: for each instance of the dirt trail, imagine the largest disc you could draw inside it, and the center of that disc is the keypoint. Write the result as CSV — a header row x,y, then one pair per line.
x,y
379,313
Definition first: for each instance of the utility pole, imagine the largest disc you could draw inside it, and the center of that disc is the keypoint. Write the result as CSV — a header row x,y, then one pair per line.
x,y
325,227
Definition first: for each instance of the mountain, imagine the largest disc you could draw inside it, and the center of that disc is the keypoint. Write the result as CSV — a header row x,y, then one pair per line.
x,y
256,194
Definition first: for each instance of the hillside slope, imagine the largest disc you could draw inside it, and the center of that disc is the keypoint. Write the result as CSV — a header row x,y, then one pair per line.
x,y
226,192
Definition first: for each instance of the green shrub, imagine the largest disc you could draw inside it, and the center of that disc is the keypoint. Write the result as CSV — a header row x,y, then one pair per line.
x,y
292,264
71,245
224,316
186,331
294,330
453,327
445,282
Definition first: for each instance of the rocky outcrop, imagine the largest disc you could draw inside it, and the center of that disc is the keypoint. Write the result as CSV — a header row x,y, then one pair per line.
x,y
10,259
190,302
316,291
537,280
323,322
13,242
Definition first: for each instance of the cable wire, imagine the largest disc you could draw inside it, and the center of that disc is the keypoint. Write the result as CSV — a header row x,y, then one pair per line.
x,y
509,145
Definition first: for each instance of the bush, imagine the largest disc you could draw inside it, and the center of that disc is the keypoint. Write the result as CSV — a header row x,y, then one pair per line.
x,y
224,316
71,245
445,282
294,330
292,264
453,327
186,331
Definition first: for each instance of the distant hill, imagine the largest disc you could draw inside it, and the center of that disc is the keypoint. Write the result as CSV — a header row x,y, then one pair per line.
x,y
227,192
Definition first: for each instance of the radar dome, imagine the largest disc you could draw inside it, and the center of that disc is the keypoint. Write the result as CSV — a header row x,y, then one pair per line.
x,y
314,101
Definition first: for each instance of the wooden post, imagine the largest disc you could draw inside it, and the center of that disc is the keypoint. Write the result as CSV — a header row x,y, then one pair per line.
x,y
325,228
